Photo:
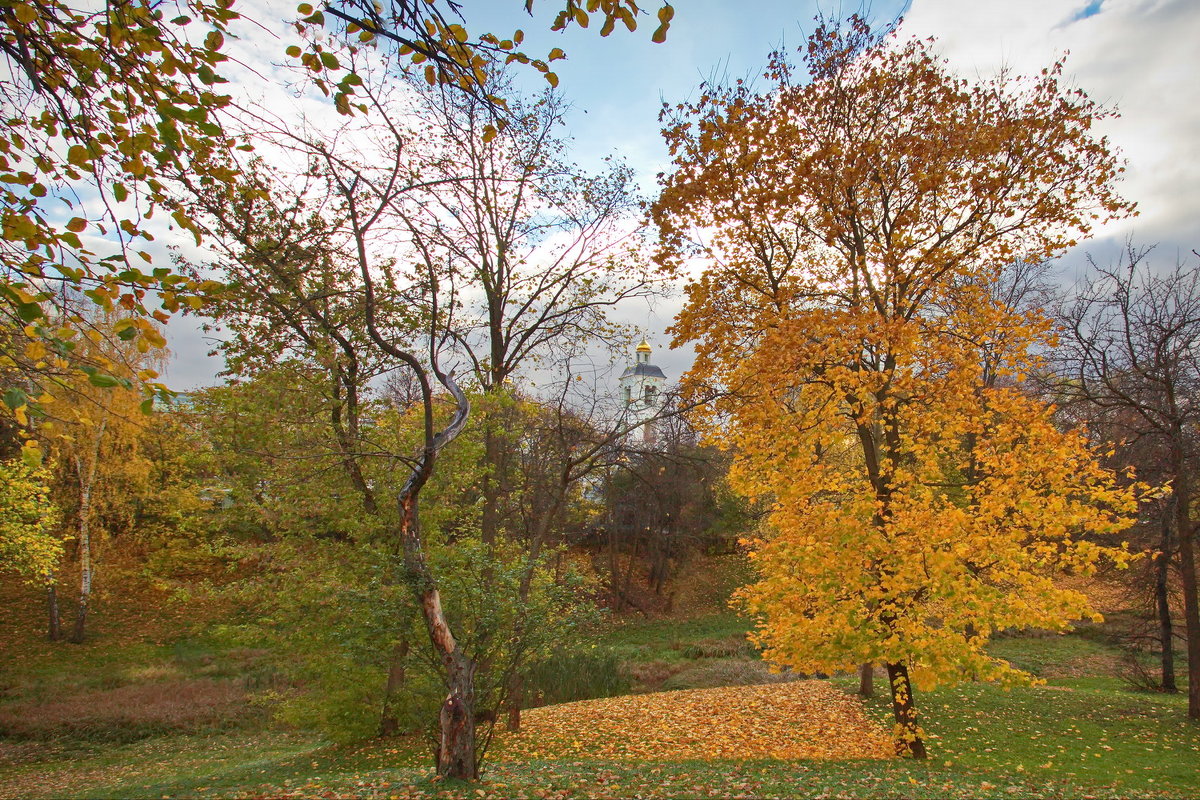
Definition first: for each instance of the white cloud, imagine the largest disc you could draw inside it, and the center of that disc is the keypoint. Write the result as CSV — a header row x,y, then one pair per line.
x,y
1137,55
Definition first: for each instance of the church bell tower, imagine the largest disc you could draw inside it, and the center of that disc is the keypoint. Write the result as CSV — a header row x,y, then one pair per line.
x,y
641,391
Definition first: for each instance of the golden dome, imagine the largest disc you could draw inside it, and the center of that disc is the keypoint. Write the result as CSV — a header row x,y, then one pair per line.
x,y
644,347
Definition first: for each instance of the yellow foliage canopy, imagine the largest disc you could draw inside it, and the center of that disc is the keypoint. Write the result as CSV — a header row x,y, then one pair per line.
x,y
27,519
856,228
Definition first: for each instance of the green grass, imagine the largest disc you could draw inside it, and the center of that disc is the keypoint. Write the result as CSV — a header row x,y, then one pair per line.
x,y
1083,734
1089,732
1056,656
1072,739
668,640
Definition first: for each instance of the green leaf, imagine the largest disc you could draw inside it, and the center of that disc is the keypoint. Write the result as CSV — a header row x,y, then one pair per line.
x,y
15,398
32,456
103,381
28,312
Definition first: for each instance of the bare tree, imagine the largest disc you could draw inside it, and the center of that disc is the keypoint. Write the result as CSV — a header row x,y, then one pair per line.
x,y
1131,348
546,249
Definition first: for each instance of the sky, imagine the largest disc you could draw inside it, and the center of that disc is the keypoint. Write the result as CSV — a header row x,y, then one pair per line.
x,y
1139,56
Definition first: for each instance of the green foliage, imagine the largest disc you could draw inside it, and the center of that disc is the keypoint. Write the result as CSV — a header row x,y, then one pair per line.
x,y
567,674
273,467
329,614
27,522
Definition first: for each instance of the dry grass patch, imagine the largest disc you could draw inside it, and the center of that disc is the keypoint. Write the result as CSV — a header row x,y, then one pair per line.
x,y
128,711
799,720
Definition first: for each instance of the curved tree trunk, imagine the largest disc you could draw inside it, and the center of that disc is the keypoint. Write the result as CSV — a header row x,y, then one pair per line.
x,y
456,744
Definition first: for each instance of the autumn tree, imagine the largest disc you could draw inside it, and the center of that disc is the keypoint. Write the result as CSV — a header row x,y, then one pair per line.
x,y
103,104
291,302
853,223
478,244
92,434
29,545
1130,338
106,105
438,42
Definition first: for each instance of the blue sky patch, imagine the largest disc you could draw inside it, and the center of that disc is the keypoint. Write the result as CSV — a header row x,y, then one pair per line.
x,y
1090,10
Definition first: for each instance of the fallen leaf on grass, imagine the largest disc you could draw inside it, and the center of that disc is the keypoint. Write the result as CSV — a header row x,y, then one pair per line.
x,y
804,719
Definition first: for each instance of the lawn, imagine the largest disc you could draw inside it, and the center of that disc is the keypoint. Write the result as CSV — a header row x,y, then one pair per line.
x,y
1083,734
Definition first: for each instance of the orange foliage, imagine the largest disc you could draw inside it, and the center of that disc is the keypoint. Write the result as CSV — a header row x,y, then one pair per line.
x,y
803,719
855,229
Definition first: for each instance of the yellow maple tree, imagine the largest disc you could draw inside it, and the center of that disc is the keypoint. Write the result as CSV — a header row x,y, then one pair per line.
x,y
854,226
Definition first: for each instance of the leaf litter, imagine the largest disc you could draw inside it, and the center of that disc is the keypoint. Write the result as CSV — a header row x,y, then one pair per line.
x,y
798,720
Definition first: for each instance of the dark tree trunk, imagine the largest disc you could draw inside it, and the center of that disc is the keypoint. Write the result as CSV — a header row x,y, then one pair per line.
x,y
908,741
347,432
78,630
866,680
492,480
54,621
1187,568
389,720
1162,597
516,698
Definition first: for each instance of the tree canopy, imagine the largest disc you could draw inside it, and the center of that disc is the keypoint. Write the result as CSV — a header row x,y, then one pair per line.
x,y
853,223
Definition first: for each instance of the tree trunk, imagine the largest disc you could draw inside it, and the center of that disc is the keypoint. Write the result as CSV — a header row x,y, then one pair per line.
x,y
86,482
908,733
85,575
1162,566
456,720
516,697
54,621
456,745
866,680
1187,568
490,513
389,721
345,391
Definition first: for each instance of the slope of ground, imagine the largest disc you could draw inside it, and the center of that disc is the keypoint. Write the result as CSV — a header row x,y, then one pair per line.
x,y
798,720
97,721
